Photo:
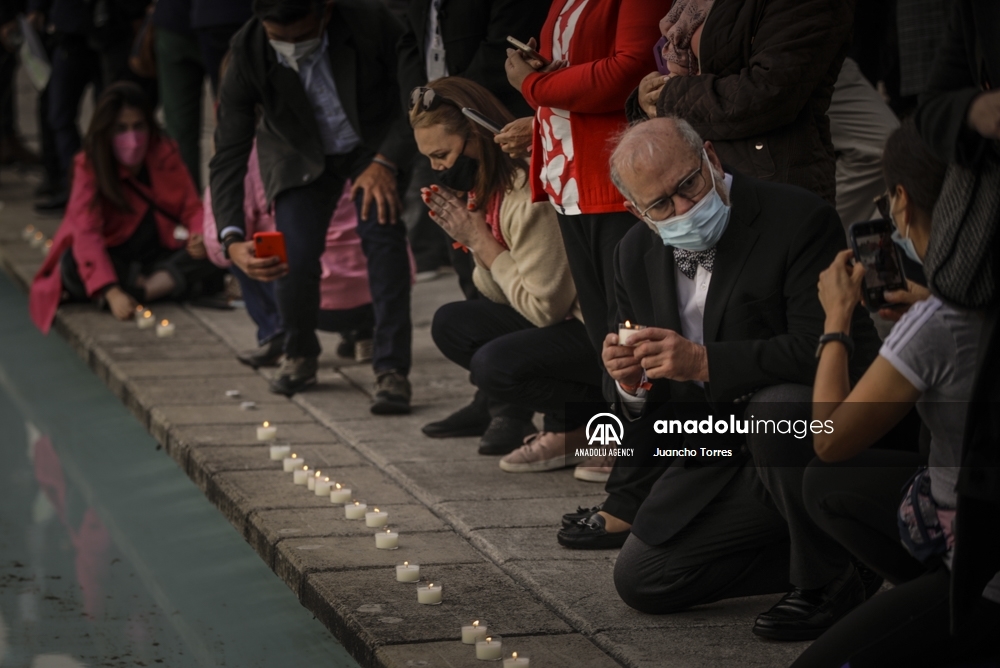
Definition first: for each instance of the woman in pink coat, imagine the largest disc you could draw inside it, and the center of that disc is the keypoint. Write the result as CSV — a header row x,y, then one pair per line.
x,y
345,301
132,232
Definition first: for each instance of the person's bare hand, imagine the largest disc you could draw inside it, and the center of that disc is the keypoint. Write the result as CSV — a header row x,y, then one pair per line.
x,y
263,269
620,361
649,92
664,353
121,303
515,138
196,247
379,186
840,289
468,228
903,300
984,114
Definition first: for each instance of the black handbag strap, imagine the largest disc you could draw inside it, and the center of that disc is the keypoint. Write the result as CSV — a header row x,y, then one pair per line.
x,y
149,200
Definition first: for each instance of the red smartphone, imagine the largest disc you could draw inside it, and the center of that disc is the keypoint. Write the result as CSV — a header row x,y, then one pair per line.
x,y
270,244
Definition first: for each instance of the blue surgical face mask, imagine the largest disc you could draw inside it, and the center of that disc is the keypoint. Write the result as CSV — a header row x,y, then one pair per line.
x,y
700,227
906,243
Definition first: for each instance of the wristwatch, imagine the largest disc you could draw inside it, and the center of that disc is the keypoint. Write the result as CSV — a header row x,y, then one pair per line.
x,y
835,336
228,241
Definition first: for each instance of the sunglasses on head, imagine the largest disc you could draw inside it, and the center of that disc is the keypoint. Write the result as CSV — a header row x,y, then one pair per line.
x,y
428,99
882,205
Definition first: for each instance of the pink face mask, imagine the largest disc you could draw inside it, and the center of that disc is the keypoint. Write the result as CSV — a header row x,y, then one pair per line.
x,y
130,147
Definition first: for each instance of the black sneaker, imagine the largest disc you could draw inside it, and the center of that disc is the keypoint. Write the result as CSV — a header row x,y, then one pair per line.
x,y
581,513
266,355
471,420
295,374
505,435
392,394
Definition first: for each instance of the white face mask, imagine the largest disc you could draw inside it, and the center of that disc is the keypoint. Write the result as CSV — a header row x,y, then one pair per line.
x,y
296,51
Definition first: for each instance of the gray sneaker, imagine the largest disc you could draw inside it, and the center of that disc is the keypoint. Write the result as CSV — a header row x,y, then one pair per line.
x,y
294,375
392,394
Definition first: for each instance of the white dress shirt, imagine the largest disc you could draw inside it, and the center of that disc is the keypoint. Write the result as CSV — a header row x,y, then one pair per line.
x,y
436,66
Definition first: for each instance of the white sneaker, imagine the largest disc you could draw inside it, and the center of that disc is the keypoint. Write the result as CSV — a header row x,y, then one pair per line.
x,y
594,469
544,451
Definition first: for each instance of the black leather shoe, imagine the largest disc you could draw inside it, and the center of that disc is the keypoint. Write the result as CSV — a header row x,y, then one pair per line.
x,y
804,614
266,355
869,578
581,513
590,534
505,435
471,420
295,375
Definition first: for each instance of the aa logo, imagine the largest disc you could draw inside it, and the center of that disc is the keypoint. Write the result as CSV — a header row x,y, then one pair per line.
x,y
605,431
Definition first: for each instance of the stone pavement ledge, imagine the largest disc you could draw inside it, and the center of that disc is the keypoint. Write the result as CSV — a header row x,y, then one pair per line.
x,y
487,536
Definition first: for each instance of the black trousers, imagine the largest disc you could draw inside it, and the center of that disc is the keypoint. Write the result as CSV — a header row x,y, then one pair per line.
x,y
514,362
856,502
192,278
303,215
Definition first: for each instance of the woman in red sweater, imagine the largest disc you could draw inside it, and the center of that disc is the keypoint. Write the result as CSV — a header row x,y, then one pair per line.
x,y
132,229
600,50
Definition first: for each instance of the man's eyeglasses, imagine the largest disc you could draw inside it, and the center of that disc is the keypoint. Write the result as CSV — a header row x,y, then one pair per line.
x,y
689,188
882,205
428,99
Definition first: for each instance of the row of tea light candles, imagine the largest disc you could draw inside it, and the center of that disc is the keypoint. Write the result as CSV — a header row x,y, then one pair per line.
x,y
144,320
36,239
487,648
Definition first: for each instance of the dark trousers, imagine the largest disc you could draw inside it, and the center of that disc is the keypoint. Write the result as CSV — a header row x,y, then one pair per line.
x,y
192,278
182,83
303,216
74,65
513,361
262,308
856,502
590,241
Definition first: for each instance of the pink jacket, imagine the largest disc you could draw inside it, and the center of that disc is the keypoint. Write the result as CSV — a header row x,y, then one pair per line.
x,y
89,230
344,281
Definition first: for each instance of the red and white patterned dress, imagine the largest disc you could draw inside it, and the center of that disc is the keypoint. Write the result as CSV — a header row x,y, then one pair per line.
x,y
559,174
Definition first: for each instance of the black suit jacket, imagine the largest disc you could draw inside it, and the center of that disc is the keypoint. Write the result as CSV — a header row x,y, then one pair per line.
x,y
362,49
762,322
475,42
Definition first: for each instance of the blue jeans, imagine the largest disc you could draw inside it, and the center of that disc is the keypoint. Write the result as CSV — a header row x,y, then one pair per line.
x,y
261,306
303,216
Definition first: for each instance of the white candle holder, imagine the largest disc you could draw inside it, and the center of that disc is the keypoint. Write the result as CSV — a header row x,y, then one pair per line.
x,y
626,330
516,661
340,494
267,432
489,649
292,463
387,540
355,510
473,633
430,594
407,572
376,518
301,477
279,452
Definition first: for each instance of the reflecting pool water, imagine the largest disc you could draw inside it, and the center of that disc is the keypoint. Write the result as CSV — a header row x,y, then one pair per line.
x,y
109,555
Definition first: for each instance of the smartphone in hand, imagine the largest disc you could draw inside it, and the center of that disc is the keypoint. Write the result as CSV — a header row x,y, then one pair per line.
x,y
270,244
528,51
486,122
877,252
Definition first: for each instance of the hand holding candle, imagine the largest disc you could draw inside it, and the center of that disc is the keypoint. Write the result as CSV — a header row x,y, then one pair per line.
x,y
474,633
407,572
376,518
387,540
626,330
489,649
267,432
355,510
429,595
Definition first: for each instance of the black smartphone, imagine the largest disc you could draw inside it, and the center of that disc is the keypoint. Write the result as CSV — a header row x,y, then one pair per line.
x,y
527,51
487,123
877,252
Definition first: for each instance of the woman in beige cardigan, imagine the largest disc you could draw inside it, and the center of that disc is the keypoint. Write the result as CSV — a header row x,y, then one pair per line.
x,y
524,344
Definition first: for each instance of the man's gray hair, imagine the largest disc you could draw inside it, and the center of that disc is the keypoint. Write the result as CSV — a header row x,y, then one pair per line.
x,y
643,141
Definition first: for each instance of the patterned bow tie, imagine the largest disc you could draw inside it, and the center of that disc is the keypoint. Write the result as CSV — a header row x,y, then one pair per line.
x,y
688,261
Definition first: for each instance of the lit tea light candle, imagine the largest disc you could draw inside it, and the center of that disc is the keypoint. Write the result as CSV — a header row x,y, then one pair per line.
x,y
387,540
340,494
165,328
313,479
301,476
429,595
407,572
473,633
323,486
279,452
355,510
37,239
516,661
267,432
376,518
626,330
145,320
292,463
28,232
48,246
489,649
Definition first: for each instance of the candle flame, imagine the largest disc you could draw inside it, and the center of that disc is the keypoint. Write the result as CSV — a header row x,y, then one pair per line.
x,y
357,503
475,624
140,307
164,322
376,510
387,530
318,473
406,563
147,314
513,655
294,456
305,468
338,485
326,480
489,639
268,424
39,235
627,324
430,585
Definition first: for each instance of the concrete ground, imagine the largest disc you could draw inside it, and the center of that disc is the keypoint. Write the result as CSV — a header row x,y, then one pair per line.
x,y
487,536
